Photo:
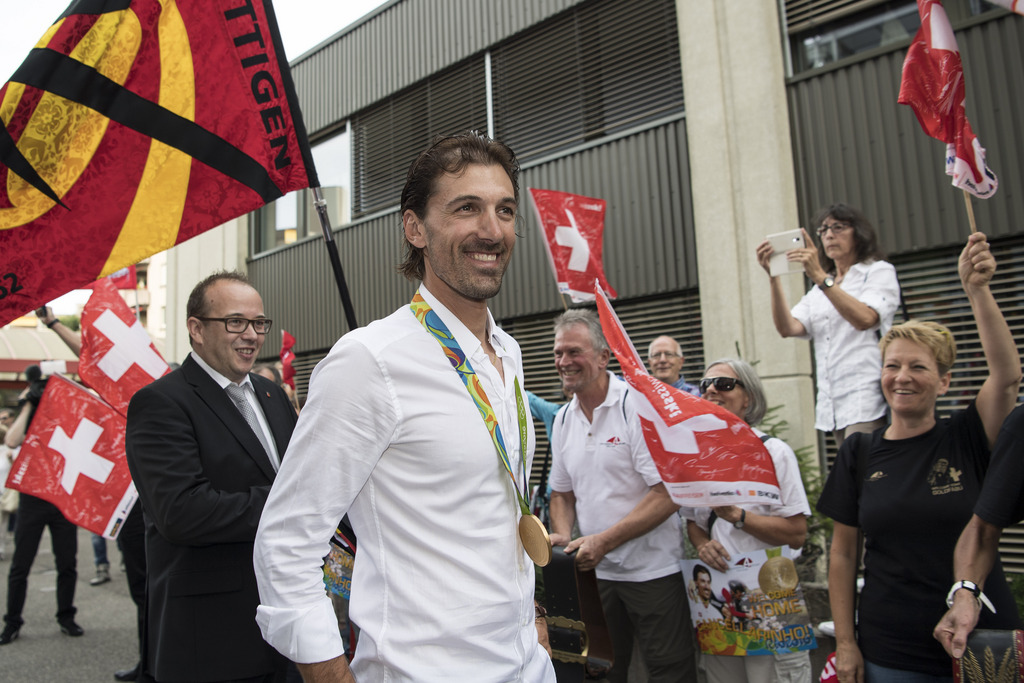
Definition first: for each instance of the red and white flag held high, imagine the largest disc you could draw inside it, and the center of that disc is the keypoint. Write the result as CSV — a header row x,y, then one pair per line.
x,y
287,356
933,85
1012,5
118,357
705,455
573,228
73,456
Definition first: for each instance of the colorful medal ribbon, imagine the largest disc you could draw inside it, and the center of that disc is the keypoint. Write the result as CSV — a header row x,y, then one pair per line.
x,y
435,326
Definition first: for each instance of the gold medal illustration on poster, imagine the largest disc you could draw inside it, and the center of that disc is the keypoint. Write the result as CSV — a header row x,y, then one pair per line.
x,y
778,574
535,539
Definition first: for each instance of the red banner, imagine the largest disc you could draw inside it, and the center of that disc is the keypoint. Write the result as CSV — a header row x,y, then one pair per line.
x,y
573,228
118,357
933,86
73,456
135,125
287,356
706,456
126,278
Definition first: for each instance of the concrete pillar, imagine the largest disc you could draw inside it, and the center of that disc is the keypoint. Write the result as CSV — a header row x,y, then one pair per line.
x,y
222,248
743,185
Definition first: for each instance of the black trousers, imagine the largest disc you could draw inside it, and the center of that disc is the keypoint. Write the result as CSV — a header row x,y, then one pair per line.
x,y
132,541
34,515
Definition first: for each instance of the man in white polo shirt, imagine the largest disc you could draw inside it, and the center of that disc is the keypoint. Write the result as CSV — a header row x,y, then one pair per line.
x,y
602,477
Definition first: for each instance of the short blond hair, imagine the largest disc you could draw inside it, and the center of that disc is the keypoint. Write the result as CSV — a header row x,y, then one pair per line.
x,y
931,335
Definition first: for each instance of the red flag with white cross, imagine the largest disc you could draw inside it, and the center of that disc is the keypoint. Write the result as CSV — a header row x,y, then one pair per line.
x,y
118,357
705,455
73,456
573,228
933,86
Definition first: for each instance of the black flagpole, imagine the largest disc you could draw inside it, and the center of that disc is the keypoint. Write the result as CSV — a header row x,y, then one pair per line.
x,y
332,252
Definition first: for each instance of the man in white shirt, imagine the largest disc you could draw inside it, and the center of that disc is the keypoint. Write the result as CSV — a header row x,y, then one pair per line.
x,y
442,589
602,477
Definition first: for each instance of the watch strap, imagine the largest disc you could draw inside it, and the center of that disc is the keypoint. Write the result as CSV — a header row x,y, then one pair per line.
x,y
742,520
974,589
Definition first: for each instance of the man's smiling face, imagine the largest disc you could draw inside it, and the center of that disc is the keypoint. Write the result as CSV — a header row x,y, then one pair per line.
x,y
230,354
467,233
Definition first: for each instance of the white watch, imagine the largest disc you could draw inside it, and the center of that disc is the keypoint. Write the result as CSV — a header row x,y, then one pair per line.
x,y
975,591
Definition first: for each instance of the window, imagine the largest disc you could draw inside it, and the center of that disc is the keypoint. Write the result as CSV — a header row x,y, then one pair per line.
x,y
825,32
389,135
292,216
593,70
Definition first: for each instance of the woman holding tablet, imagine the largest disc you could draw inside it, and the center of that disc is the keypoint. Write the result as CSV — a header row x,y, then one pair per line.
x,y
851,304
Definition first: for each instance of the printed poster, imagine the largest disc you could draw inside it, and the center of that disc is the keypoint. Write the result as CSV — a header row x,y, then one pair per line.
x,y
756,608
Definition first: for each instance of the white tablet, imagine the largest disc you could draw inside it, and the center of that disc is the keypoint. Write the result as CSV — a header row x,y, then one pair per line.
x,y
781,243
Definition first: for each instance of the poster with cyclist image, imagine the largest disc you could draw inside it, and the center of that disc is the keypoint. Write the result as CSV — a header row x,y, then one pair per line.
x,y
755,608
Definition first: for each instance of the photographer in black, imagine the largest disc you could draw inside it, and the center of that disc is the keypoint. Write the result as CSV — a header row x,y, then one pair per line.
x,y
35,514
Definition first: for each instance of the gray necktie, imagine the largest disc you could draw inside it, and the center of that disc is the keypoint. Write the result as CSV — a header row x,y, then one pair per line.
x,y
237,395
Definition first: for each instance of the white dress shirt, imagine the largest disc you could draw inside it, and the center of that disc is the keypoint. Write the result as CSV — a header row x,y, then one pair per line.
x,y
847,360
442,589
607,466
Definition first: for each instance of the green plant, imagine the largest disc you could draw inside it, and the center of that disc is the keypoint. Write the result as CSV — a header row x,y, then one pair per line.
x,y
819,527
1016,582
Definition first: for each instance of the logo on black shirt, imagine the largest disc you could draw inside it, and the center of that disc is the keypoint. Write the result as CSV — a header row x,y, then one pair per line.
x,y
944,479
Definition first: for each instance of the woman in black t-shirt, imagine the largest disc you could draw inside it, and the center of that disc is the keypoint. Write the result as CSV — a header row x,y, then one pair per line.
x,y
911,486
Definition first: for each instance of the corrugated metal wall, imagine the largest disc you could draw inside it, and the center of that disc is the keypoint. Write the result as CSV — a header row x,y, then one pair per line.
x,y
405,42
854,143
649,235
649,247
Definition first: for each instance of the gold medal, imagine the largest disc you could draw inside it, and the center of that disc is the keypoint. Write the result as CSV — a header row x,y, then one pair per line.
x,y
535,539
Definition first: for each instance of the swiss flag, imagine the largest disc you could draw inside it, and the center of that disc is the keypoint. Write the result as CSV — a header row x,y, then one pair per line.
x,y
706,456
118,357
73,456
573,235
287,356
933,86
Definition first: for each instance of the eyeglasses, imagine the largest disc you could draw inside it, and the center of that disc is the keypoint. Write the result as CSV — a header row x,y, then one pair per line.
x,y
720,383
836,228
662,354
240,325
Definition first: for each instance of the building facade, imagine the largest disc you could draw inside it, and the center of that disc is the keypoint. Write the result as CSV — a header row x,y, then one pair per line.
x,y
705,125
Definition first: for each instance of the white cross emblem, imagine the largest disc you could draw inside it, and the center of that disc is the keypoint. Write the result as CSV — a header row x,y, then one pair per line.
x,y
570,236
78,454
132,346
682,434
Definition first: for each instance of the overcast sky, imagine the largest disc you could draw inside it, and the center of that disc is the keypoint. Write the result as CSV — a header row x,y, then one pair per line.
x,y
304,24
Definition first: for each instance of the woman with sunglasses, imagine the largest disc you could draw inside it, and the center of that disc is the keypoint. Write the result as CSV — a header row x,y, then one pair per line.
x,y
911,487
851,304
722,533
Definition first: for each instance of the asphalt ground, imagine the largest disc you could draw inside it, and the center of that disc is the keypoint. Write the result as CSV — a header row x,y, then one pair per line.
x,y
107,614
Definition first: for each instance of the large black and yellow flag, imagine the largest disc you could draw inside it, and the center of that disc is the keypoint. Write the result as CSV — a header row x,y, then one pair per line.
x,y
134,125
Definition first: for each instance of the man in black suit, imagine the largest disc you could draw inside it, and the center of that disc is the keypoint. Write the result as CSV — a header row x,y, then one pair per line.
x,y
203,475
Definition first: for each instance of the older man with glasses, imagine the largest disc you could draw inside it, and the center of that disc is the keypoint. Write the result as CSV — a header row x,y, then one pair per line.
x,y
665,359
204,444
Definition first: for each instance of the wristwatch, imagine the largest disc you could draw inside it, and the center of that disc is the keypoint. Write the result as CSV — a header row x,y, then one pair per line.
x,y
827,282
974,589
743,518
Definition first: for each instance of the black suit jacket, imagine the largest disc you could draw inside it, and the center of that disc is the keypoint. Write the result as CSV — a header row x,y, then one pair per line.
x,y
203,478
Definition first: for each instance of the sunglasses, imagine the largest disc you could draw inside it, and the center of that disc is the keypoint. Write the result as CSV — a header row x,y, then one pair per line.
x,y
720,383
